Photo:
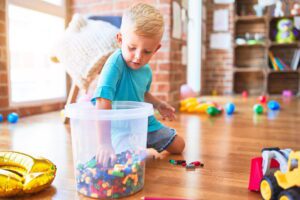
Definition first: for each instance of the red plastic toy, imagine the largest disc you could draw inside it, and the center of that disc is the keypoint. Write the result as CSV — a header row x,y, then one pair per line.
x,y
245,94
256,173
262,99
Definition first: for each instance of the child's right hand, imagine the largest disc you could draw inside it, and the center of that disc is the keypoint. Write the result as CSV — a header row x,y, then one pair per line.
x,y
106,155
166,111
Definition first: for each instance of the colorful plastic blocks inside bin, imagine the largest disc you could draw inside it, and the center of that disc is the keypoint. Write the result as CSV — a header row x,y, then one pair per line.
x,y
123,178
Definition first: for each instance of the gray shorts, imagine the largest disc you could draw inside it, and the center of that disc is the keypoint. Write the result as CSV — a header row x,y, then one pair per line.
x,y
161,139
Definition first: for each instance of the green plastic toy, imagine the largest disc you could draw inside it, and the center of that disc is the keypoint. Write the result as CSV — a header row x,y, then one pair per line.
x,y
285,31
258,109
212,111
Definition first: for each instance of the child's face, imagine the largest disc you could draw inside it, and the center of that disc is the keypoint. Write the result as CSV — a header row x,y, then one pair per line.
x,y
137,50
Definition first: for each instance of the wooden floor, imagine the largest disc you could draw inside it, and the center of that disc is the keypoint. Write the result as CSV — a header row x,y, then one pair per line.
x,y
224,144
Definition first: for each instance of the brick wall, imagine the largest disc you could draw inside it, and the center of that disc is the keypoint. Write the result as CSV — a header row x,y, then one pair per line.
x,y
3,58
5,108
218,64
168,72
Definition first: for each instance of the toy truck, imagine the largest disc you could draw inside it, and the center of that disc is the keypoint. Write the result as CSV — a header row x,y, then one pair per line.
x,y
283,185
271,160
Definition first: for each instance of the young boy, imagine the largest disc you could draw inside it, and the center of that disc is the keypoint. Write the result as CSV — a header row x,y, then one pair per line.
x,y
127,76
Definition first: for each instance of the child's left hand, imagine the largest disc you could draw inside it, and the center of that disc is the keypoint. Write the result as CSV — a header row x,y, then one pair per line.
x,y
166,111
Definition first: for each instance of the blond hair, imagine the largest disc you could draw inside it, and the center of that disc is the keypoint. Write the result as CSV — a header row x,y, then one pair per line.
x,y
144,20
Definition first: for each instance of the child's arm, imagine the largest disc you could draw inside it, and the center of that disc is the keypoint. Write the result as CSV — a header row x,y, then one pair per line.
x,y
105,152
103,104
152,99
165,109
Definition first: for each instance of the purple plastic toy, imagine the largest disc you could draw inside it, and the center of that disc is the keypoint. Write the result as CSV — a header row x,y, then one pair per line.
x,y
287,93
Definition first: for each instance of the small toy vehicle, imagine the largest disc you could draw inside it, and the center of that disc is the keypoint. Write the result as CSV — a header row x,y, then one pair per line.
x,y
283,185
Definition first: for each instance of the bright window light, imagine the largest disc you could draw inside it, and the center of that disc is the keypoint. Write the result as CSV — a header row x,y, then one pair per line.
x,y
56,2
33,77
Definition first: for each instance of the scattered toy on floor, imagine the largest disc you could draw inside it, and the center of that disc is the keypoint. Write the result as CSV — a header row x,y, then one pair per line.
x,y
245,94
287,93
197,163
258,109
13,118
212,111
230,108
262,99
270,160
177,162
23,174
191,165
273,105
283,184
192,105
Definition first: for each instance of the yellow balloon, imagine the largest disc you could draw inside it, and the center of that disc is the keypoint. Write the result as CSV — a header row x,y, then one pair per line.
x,y
21,173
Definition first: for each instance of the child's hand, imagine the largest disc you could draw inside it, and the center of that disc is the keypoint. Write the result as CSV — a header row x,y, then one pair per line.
x,y
105,155
166,111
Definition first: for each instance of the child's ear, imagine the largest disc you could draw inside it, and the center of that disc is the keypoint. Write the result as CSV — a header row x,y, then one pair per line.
x,y
158,47
119,38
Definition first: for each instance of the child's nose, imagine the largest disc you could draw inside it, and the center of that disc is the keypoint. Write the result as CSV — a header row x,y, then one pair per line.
x,y
137,57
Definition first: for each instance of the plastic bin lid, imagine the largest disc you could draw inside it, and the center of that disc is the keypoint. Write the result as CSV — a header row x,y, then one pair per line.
x,y
121,110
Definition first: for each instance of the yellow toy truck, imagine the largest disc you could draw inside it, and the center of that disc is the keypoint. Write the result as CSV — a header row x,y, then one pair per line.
x,y
283,185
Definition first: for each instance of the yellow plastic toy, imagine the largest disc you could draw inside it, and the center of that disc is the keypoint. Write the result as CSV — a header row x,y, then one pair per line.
x,y
192,105
283,186
188,104
23,174
202,107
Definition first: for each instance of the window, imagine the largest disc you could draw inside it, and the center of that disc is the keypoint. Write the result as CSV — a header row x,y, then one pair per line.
x,y
194,46
56,2
33,28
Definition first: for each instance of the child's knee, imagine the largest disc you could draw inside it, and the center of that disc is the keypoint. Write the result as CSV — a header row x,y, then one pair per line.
x,y
177,146
181,144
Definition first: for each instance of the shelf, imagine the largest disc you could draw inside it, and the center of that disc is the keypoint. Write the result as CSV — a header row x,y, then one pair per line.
x,y
250,57
252,82
250,18
252,68
280,80
276,44
250,45
279,18
251,27
284,71
248,69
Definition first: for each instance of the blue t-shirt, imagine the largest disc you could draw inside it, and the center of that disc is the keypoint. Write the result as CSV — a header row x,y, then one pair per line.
x,y
118,82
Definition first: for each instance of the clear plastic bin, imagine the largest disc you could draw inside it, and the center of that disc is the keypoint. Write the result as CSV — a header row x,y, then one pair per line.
x,y
124,128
